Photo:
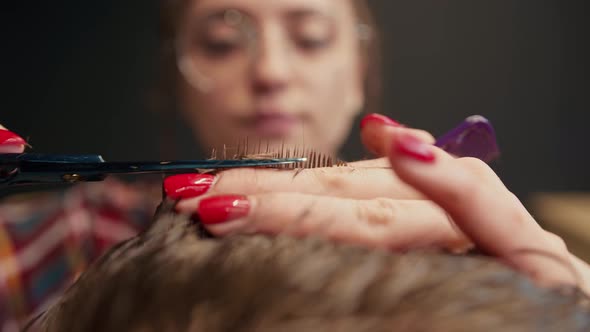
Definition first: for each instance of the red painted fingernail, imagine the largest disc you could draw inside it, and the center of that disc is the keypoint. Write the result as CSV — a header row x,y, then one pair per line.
x,y
9,138
220,209
382,119
415,148
187,185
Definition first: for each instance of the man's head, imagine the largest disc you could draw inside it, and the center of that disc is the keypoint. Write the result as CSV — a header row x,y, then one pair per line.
x,y
168,279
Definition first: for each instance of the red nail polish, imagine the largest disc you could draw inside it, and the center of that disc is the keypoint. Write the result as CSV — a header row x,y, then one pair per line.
x,y
187,185
9,138
415,148
382,119
220,209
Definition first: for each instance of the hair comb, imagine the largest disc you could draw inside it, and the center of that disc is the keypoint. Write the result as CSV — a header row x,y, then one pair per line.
x,y
307,157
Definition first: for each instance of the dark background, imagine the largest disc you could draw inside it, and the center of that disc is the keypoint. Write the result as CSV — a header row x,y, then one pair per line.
x,y
77,76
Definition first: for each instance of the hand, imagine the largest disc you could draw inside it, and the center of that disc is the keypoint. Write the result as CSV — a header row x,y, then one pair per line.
x,y
363,203
430,199
10,142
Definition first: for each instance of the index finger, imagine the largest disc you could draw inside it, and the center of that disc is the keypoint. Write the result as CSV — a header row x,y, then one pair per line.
x,y
365,180
376,131
361,180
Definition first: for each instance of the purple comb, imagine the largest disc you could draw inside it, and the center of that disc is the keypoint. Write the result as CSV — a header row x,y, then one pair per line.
x,y
474,137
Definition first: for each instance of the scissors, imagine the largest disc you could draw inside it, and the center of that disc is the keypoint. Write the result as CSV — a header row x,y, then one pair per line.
x,y
32,168
474,137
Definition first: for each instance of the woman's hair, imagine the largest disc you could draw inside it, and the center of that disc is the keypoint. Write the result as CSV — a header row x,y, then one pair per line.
x,y
168,279
172,14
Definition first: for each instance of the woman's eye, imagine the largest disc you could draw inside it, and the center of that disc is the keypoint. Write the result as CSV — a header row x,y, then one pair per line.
x,y
219,47
313,34
311,44
218,39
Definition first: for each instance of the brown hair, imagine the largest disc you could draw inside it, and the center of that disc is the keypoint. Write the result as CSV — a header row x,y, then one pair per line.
x,y
168,279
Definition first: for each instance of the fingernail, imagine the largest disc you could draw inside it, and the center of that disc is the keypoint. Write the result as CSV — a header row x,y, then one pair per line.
x,y
415,148
221,209
9,138
187,185
378,118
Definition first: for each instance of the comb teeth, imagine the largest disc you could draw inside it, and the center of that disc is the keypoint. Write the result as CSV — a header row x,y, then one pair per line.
x,y
241,150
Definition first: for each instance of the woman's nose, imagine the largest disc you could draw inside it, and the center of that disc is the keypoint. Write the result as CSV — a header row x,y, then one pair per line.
x,y
271,65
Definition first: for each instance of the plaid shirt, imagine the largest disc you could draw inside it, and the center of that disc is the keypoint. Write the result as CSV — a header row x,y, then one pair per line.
x,y
46,241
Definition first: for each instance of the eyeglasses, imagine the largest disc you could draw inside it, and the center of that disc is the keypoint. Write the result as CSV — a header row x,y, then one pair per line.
x,y
216,50
206,60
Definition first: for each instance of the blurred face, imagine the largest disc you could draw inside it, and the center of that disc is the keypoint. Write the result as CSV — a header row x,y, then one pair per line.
x,y
271,70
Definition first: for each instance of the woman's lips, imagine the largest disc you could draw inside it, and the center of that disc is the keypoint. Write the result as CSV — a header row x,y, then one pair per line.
x,y
275,124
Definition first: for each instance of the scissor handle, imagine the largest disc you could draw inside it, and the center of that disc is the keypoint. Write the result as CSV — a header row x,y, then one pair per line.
x,y
474,137
27,168
18,158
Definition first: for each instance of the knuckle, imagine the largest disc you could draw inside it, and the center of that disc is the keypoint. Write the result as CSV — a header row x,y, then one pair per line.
x,y
275,214
556,241
519,218
333,178
377,212
518,214
475,166
474,183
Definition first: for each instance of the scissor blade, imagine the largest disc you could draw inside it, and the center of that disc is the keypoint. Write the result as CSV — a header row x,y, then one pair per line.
x,y
189,165
31,169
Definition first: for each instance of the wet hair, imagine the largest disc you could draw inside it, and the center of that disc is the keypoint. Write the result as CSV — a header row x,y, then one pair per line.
x,y
171,279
